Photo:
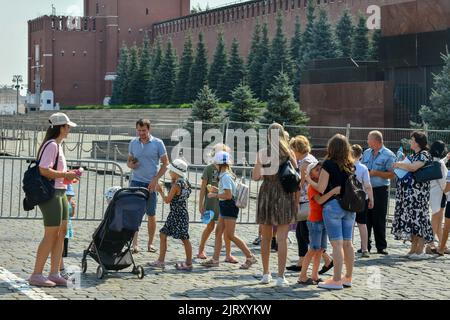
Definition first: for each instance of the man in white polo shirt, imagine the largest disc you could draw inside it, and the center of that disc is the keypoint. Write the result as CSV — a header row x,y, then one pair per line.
x,y
145,153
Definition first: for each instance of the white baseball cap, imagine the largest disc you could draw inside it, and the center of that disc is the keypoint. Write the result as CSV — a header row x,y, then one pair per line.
x,y
222,157
59,119
179,167
310,167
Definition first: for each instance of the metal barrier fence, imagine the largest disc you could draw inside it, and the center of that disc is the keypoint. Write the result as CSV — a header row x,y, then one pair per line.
x,y
20,140
109,140
89,193
99,175
23,138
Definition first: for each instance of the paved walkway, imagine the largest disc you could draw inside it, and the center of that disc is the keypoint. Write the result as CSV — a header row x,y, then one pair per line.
x,y
378,277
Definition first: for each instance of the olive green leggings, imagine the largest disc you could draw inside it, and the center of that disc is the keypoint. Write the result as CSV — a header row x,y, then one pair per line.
x,y
56,209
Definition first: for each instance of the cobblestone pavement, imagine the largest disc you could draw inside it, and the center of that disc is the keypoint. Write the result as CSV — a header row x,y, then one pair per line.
x,y
378,277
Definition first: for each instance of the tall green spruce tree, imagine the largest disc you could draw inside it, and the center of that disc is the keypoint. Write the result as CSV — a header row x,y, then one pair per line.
x,y
164,83
244,106
374,53
282,107
143,74
361,40
131,94
279,60
206,109
119,84
199,71
344,34
324,46
181,93
218,65
437,114
297,56
234,73
256,40
308,35
156,62
259,59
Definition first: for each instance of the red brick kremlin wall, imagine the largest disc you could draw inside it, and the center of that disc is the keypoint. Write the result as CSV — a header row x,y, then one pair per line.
x,y
238,21
76,63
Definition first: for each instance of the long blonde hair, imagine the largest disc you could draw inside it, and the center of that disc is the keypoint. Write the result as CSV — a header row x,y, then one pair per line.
x,y
283,147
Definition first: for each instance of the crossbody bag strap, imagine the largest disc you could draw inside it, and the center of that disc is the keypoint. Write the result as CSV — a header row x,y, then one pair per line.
x,y
55,166
42,152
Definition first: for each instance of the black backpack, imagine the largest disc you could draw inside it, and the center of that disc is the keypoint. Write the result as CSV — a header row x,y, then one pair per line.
x,y
354,196
37,189
289,177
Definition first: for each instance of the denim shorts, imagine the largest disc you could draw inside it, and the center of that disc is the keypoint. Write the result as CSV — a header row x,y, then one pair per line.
x,y
338,222
317,235
228,209
152,200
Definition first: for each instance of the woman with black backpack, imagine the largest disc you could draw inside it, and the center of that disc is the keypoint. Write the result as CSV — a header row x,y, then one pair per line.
x,y
336,170
52,165
276,207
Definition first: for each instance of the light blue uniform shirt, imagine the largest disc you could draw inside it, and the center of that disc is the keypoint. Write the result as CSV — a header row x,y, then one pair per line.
x,y
383,161
148,155
226,182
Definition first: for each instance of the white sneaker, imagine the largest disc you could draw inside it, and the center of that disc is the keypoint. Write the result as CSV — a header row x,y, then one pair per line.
x,y
282,282
266,279
422,256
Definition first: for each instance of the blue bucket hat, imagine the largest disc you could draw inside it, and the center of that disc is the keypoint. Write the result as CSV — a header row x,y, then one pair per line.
x,y
70,192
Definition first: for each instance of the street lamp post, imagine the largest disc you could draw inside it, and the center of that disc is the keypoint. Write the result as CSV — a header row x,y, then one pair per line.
x,y
17,79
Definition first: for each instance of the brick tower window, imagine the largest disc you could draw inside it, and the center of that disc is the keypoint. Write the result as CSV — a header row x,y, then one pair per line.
x,y
146,11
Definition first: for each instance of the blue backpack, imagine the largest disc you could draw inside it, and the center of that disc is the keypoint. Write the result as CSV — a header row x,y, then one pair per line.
x,y
37,189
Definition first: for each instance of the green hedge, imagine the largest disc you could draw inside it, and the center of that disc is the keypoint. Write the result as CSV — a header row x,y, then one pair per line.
x,y
263,105
126,107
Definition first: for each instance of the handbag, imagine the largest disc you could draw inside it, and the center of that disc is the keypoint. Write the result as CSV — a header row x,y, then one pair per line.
x,y
289,177
302,212
430,171
37,188
242,193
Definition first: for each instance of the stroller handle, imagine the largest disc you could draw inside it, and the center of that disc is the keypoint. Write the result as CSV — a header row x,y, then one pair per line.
x,y
134,190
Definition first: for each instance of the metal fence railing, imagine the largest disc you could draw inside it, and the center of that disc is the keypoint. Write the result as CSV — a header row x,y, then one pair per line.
x,y
98,177
109,140
88,143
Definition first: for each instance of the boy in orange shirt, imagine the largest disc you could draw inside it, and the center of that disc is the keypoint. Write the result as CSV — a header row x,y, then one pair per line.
x,y
316,227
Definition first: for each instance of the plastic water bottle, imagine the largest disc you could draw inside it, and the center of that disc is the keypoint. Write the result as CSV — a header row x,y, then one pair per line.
x,y
78,172
400,154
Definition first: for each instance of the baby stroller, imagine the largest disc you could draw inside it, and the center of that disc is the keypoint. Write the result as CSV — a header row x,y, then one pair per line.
x,y
113,238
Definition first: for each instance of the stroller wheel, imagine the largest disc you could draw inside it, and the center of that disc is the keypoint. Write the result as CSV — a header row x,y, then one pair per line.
x,y
83,266
100,272
140,272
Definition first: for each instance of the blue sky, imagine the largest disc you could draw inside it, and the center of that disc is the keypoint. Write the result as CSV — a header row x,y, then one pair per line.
x,y
14,16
